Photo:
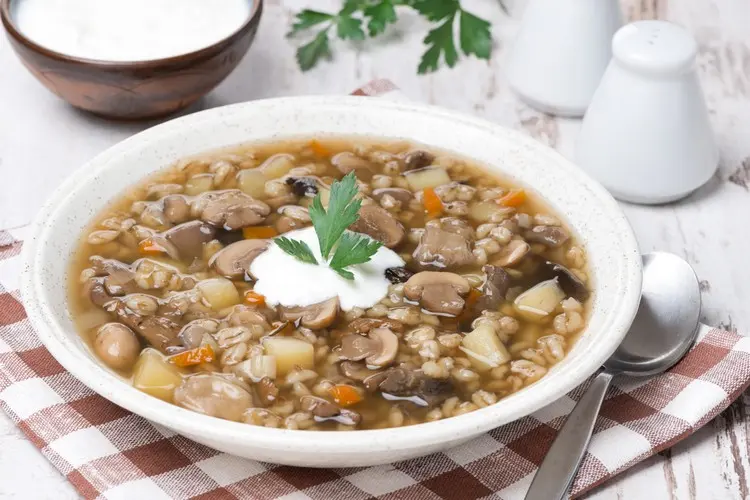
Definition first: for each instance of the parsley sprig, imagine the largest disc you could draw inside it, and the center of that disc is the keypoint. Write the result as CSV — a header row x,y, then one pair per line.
x,y
375,15
330,227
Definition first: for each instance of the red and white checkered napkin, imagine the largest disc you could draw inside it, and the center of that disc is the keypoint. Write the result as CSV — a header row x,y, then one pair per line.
x,y
107,452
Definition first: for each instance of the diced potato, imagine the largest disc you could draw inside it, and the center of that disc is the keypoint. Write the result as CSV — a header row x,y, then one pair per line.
x,y
289,352
263,366
483,211
252,182
427,178
540,300
198,184
484,349
277,165
156,376
219,292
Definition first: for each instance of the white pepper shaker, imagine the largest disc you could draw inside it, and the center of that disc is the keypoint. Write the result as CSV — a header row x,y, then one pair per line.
x,y
646,135
561,52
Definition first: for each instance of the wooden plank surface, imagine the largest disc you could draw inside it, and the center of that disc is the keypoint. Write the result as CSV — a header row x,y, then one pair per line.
x,y
708,229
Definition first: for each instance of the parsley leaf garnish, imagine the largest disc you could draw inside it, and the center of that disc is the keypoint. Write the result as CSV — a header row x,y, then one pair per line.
x,y
353,249
296,248
330,227
342,212
474,33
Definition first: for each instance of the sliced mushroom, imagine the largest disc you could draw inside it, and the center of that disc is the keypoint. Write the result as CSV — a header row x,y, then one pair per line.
x,y
176,209
233,209
512,253
379,348
380,225
117,346
495,287
364,325
234,261
315,316
188,238
442,249
418,159
267,391
398,274
349,162
96,292
119,278
213,394
438,292
400,194
413,386
551,236
159,332
569,282
192,334
323,410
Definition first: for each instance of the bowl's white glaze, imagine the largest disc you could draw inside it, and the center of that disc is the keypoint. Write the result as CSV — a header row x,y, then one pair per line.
x,y
588,208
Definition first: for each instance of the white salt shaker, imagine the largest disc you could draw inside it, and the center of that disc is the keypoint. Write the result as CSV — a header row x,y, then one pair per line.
x,y
561,52
646,135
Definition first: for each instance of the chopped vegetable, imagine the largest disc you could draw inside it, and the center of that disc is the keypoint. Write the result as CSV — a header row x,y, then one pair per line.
x,y
259,232
484,348
255,299
154,375
514,198
289,353
345,395
263,366
252,182
196,356
219,292
319,150
539,300
432,203
149,247
430,177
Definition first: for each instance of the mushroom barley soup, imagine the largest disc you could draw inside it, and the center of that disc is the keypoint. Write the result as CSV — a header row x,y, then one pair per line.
x,y
329,284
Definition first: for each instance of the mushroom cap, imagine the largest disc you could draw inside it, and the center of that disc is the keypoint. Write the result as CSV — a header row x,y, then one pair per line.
x,y
188,238
234,260
388,347
233,209
117,346
314,316
380,225
416,284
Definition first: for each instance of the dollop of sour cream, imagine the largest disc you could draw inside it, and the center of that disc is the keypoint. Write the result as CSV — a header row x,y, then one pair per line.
x,y
128,30
284,280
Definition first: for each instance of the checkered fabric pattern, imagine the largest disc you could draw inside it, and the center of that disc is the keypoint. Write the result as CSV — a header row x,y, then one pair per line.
x,y
107,452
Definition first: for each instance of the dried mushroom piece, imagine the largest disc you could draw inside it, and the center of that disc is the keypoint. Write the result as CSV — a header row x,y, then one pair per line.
x,y
438,292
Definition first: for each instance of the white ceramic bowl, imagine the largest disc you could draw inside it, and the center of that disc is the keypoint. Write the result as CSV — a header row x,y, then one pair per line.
x,y
588,208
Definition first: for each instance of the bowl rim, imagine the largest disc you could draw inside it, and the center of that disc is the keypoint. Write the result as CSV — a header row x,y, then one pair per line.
x,y
105,383
18,36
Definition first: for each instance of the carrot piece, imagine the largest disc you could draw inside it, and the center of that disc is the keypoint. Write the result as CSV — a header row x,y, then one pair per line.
x,y
432,203
345,395
255,299
149,247
259,232
195,356
514,198
470,302
319,150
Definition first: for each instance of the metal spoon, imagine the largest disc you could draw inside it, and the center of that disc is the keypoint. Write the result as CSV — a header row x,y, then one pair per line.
x,y
664,328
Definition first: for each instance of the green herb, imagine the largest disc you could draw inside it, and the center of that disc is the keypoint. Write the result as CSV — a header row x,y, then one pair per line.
x,y
474,33
342,212
330,227
296,248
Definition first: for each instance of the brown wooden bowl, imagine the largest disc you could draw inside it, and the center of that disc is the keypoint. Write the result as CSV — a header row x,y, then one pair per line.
x,y
133,90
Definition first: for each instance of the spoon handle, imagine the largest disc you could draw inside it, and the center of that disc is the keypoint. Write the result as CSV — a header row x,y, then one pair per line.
x,y
559,467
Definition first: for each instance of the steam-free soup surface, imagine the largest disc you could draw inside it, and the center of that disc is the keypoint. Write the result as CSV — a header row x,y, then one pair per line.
x,y
476,290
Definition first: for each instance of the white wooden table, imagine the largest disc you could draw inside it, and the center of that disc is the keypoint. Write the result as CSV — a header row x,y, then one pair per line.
x,y
42,140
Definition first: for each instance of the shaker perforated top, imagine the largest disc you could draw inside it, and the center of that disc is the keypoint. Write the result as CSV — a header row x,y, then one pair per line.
x,y
656,47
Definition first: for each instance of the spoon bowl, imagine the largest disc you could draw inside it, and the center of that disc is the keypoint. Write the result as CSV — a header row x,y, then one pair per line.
x,y
666,324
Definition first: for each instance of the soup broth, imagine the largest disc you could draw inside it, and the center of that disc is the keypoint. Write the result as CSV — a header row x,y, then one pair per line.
x,y
477,290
